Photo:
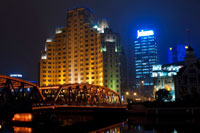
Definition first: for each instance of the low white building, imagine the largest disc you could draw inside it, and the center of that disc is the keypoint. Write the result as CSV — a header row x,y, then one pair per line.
x,y
163,77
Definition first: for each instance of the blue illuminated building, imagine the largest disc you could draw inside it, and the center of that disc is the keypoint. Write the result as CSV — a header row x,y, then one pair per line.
x,y
177,53
16,75
145,48
21,77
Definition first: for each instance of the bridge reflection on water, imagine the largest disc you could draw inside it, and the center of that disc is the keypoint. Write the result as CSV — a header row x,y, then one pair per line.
x,y
85,123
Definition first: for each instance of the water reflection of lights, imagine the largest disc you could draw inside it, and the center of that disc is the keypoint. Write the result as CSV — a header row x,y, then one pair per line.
x,y
116,128
22,117
22,129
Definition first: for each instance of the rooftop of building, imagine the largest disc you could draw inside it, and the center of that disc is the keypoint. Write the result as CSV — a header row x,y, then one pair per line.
x,y
197,64
175,64
190,48
79,8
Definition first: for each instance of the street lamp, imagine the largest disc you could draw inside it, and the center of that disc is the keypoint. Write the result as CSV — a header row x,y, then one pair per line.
x,y
127,95
140,89
134,95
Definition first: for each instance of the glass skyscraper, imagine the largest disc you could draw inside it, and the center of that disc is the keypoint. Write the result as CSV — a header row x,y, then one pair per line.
x,y
146,56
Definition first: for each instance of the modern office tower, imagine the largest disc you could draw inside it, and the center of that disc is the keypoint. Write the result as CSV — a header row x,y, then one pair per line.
x,y
145,57
177,53
81,52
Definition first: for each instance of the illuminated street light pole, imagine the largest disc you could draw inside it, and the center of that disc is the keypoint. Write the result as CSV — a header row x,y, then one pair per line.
x,y
134,96
141,85
127,94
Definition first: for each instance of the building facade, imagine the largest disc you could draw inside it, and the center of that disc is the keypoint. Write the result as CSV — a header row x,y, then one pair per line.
x,y
163,77
79,53
131,65
187,80
146,55
110,48
177,53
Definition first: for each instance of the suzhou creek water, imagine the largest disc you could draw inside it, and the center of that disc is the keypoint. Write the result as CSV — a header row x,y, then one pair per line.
x,y
91,124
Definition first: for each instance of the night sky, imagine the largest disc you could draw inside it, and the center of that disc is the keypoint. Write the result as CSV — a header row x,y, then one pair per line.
x,y
25,25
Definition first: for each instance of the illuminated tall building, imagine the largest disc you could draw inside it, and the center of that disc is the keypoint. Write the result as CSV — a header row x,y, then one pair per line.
x,y
177,53
111,47
145,56
85,51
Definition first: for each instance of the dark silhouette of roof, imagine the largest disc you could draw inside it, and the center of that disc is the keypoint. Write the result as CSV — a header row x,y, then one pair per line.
x,y
190,48
184,68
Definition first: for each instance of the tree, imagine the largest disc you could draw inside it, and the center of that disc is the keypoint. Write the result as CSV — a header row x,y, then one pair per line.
x,y
163,95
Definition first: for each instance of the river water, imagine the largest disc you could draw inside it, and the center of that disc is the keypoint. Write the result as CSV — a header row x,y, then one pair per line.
x,y
99,124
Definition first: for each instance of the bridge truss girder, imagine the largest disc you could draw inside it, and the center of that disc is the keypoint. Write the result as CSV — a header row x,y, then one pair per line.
x,y
15,90
80,94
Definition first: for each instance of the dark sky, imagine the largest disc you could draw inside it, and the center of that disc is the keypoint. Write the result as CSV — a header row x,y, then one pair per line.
x,y
25,25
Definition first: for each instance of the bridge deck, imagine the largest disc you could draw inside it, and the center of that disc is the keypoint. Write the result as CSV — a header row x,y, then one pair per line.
x,y
80,106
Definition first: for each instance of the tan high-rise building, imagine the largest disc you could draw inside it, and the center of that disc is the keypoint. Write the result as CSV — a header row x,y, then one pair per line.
x,y
76,54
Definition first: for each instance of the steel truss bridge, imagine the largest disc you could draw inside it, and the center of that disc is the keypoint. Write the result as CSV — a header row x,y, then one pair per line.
x,y
15,90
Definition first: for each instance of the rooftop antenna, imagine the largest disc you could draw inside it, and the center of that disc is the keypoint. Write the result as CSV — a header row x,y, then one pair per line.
x,y
188,36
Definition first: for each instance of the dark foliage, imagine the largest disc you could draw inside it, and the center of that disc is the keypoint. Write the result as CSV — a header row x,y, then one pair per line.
x,y
163,95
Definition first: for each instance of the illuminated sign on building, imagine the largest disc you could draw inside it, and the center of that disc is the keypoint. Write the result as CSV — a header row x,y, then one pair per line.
x,y
165,70
144,33
16,75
